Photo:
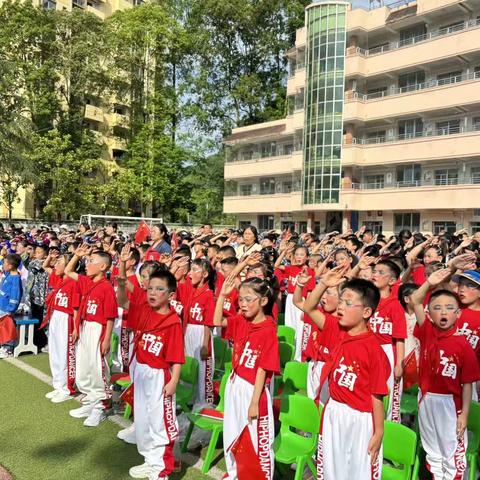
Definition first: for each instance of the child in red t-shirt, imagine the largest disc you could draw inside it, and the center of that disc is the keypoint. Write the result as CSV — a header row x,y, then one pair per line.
x,y
448,367
199,306
159,353
390,327
62,304
294,316
320,307
97,312
248,416
351,431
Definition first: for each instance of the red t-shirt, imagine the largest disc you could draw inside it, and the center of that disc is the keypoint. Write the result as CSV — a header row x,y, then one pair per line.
x,y
199,307
469,325
291,273
254,346
359,369
388,321
230,305
136,300
418,275
219,283
447,361
159,339
99,302
66,296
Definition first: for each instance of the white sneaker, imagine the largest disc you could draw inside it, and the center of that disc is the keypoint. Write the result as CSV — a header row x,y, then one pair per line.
x,y
4,353
154,476
51,394
60,397
95,418
82,412
143,471
128,435
44,349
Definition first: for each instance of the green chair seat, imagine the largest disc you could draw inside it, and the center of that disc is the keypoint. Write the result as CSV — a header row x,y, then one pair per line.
x,y
286,334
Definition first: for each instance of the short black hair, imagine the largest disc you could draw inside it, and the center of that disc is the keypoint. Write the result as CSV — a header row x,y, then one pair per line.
x,y
214,246
43,247
392,266
183,251
228,250
106,257
446,293
405,290
14,260
355,242
135,255
367,291
169,278
229,261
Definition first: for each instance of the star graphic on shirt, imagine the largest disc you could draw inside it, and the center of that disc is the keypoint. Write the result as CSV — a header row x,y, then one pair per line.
x,y
159,337
350,368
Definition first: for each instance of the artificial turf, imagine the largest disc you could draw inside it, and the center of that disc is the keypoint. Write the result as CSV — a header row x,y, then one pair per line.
x,y
39,440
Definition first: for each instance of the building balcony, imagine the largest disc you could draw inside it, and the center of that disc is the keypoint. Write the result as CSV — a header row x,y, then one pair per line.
x,y
96,10
437,145
432,47
425,97
117,120
412,196
93,113
273,203
297,81
264,166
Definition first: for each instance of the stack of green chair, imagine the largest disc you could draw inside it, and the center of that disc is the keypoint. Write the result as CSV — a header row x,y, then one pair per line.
x,y
298,414
188,384
400,452
220,347
294,379
286,334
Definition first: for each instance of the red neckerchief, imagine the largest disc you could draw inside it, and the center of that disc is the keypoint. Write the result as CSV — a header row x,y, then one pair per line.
x,y
336,355
268,322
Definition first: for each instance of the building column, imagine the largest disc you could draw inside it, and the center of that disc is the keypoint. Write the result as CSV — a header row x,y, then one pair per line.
x,y
310,222
348,134
346,221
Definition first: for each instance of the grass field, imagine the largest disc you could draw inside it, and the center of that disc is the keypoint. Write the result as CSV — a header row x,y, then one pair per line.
x,y
39,440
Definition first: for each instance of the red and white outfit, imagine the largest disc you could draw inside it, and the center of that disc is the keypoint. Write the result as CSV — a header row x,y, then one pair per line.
x,y
447,361
61,304
293,315
388,323
199,307
158,345
249,446
358,369
98,306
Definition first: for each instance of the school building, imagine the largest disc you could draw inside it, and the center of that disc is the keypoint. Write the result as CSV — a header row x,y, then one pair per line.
x,y
382,128
107,118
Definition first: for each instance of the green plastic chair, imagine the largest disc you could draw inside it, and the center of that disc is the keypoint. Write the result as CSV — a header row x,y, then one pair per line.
x,y
287,353
400,449
113,349
188,383
409,402
219,347
301,414
286,334
281,319
294,379
208,424
473,427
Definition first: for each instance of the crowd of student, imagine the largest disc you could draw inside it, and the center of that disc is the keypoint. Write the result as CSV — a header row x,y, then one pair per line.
x,y
369,313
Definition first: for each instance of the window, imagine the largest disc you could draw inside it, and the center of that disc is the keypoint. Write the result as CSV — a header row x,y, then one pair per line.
x,y
410,128
376,137
246,190
475,174
443,226
120,109
409,175
288,149
244,224
302,227
476,123
291,104
411,81
475,227
448,127
267,186
265,222
374,226
446,176
376,92
49,5
287,186
374,181
453,27
78,3
450,77
269,149
412,34
410,221
299,97
288,225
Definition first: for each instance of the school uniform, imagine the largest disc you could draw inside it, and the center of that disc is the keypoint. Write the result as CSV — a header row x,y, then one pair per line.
x,y
388,323
199,307
293,315
447,361
98,306
158,345
357,370
248,446
61,303
10,296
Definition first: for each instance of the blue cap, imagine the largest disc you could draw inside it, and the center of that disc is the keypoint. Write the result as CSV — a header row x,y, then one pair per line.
x,y
472,275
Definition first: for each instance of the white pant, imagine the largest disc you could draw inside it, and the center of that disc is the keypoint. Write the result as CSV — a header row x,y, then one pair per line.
x,y
238,396
156,426
61,354
394,391
438,430
343,444
193,345
91,366
313,382
293,318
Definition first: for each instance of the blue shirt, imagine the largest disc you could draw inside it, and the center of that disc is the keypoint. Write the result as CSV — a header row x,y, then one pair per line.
x,y
10,293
